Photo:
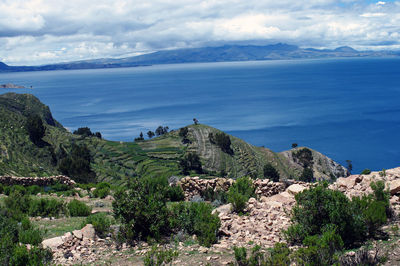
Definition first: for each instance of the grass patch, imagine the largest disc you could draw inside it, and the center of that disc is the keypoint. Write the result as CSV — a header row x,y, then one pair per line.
x,y
59,227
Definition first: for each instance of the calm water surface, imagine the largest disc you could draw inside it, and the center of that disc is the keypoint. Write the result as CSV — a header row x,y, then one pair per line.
x,y
344,108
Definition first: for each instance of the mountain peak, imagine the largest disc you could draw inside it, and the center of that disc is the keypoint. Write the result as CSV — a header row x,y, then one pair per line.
x,y
345,49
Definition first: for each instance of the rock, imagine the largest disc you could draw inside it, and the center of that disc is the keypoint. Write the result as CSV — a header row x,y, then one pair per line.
x,y
295,189
109,197
223,209
53,243
67,237
88,232
78,234
203,249
252,201
394,186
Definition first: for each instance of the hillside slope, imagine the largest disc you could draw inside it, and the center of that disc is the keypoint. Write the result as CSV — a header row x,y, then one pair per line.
x,y
115,161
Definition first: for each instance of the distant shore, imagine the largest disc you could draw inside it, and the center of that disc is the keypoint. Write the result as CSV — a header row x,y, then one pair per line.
x,y
12,86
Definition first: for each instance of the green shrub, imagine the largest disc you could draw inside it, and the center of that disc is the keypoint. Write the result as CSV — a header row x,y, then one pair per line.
x,y
28,234
195,218
78,208
175,193
240,192
11,252
222,140
77,164
34,126
17,204
1,188
160,256
46,207
279,255
190,161
366,171
15,188
102,190
318,207
320,249
143,212
58,187
256,257
35,189
375,208
307,175
271,173
101,223
218,197
21,256
304,157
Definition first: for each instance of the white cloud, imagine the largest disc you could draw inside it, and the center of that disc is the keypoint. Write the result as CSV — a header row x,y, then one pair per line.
x,y
45,31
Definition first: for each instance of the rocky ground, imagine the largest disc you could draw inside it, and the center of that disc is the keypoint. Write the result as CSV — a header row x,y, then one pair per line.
x,y
266,217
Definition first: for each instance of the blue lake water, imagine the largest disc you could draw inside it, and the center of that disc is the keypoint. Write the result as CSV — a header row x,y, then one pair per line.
x,y
344,108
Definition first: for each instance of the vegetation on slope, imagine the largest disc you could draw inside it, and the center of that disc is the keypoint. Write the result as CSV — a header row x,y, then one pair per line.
x,y
219,153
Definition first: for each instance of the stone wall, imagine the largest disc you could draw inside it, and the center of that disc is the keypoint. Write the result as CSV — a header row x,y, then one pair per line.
x,y
40,181
192,186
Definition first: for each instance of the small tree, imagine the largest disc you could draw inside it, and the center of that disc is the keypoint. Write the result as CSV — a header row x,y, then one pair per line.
x,y
294,145
191,162
35,128
271,173
307,175
349,165
195,121
84,131
150,134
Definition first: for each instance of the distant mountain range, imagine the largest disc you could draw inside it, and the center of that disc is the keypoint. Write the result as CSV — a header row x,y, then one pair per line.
x,y
226,53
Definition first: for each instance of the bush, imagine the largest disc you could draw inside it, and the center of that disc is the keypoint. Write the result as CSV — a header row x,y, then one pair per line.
x,y
78,208
318,207
375,208
35,189
366,171
143,212
28,234
219,196
271,173
240,192
222,140
102,190
304,157
191,161
195,218
15,188
36,130
175,193
77,164
320,250
17,204
46,207
101,223
1,188
160,256
307,175
11,252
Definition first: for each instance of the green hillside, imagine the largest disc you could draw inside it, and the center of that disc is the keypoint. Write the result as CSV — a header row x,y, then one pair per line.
x,y
116,161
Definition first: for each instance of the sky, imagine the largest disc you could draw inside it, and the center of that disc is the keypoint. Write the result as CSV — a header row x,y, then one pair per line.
x,y
35,32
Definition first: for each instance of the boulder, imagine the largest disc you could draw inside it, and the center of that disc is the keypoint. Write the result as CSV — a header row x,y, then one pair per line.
x,y
78,234
295,189
223,209
394,186
53,243
88,231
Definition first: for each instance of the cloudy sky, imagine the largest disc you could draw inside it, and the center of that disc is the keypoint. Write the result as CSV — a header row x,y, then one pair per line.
x,y
36,32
